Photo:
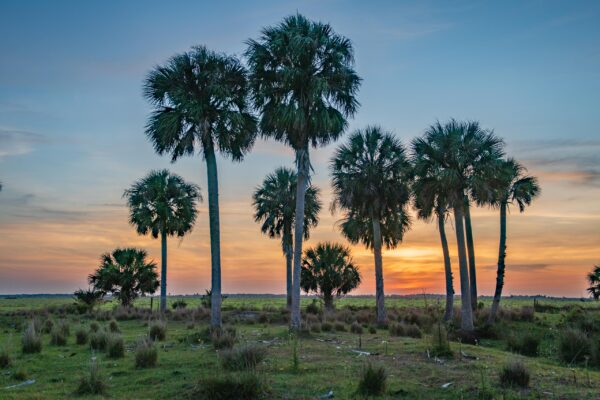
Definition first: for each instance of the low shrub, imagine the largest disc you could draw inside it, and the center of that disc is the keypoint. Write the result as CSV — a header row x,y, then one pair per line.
x,y
373,381
372,330
93,382
244,386
57,337
179,304
356,328
113,326
573,345
94,326
48,325
313,308
527,343
242,358
98,340
514,374
31,342
158,330
146,354
440,345
81,335
404,329
223,338
340,327
21,374
326,326
115,346
64,327
315,327
5,358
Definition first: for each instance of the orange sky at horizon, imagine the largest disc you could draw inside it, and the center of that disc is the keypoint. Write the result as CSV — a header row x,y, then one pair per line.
x,y
539,260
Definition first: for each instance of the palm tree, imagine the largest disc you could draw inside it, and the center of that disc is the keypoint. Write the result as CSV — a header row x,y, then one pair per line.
x,y
594,280
507,184
126,274
163,204
275,203
371,177
200,100
470,252
454,153
304,85
430,199
329,271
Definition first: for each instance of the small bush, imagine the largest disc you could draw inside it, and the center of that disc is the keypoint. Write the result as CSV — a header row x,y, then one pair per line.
x,y
315,327
5,358
223,338
356,328
326,327
81,335
94,326
179,304
243,358
21,375
245,386
313,308
340,327
57,337
158,330
98,340
146,354
113,326
373,381
527,344
115,346
440,345
92,383
514,374
573,345
64,327
31,342
404,329
48,325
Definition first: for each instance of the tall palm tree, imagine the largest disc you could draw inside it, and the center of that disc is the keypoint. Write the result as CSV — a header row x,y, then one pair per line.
x,y
594,281
304,85
454,153
275,205
430,200
470,252
163,204
371,177
200,100
508,184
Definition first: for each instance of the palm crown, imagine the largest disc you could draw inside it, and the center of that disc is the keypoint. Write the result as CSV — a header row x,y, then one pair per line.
x,y
370,178
303,81
275,205
200,99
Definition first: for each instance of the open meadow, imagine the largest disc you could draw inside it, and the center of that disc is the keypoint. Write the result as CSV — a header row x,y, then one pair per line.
x,y
256,357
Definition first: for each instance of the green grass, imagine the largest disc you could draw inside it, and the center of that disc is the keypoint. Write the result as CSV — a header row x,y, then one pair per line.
x,y
326,360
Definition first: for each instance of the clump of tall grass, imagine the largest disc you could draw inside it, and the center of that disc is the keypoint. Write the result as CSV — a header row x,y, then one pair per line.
x,y
158,330
48,325
98,340
113,326
573,345
440,345
115,346
81,335
146,354
247,386
5,358
21,374
242,358
31,342
527,343
514,374
405,329
356,328
93,382
373,381
57,337
223,338
94,326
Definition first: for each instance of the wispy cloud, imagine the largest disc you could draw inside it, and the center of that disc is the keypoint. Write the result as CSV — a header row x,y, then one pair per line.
x,y
16,142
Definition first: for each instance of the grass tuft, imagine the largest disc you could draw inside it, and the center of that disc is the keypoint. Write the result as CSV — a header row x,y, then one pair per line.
x,y
243,358
514,374
31,342
93,382
146,354
158,330
373,381
246,386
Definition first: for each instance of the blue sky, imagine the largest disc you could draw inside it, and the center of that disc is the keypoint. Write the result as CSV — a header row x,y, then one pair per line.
x,y
72,115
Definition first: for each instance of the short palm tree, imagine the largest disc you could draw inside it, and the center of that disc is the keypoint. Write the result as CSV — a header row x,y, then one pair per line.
x,y
200,100
126,274
328,271
454,153
275,205
508,184
304,85
371,176
163,204
430,200
594,281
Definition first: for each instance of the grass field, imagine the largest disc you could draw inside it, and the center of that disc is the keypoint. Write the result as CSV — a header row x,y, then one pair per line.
x,y
330,357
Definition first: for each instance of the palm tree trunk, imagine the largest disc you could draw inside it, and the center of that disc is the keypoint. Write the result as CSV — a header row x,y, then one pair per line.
x,y
471,251
303,166
501,264
465,294
163,272
215,237
289,257
448,314
379,292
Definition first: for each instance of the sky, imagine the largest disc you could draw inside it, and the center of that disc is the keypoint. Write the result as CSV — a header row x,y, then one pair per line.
x,y
72,139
